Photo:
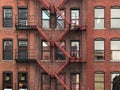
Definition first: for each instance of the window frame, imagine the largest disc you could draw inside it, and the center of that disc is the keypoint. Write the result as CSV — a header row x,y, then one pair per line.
x,y
72,24
99,50
78,51
22,18
97,18
99,72
42,19
25,50
7,80
8,18
57,84
42,82
6,51
114,39
71,83
23,80
59,18
114,18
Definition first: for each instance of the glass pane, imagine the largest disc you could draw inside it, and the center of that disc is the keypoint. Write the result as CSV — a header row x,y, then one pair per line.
x,y
75,49
45,14
99,23
115,23
99,13
115,45
8,13
62,14
23,43
23,13
99,77
45,24
8,50
99,55
99,86
115,13
74,14
75,22
60,24
99,45
115,81
59,54
45,50
7,22
115,55
22,22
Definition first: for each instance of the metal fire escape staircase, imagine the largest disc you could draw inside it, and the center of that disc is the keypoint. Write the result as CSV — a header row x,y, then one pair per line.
x,y
49,67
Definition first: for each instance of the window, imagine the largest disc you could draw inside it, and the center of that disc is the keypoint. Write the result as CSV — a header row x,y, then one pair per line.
x,y
115,81
115,49
99,81
59,54
7,49
23,49
60,20
45,81
45,19
75,81
99,17
99,49
22,16
7,17
58,85
7,81
75,48
75,16
45,50
22,81
115,17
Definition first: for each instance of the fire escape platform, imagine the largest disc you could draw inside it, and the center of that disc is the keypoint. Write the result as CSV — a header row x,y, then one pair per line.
x,y
25,27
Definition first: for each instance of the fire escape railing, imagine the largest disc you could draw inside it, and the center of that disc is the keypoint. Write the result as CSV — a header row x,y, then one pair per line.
x,y
43,65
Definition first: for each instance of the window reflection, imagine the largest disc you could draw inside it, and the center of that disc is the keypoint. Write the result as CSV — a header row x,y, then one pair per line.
x,y
115,17
115,49
99,49
99,17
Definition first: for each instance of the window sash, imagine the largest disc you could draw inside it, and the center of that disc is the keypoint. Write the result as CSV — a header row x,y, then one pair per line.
x,y
75,17
7,50
99,81
99,17
7,17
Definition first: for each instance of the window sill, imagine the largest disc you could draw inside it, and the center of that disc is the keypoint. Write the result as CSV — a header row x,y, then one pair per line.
x,y
114,61
11,28
99,60
99,28
7,60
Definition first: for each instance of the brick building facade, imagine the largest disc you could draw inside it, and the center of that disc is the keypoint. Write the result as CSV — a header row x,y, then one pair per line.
x,y
59,45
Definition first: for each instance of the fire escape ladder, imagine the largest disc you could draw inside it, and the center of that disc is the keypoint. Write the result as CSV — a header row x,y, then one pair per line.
x,y
63,50
43,34
62,67
43,66
44,3
62,82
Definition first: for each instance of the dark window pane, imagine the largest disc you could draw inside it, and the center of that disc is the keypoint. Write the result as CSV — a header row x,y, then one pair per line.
x,y
7,17
22,16
23,49
7,81
45,50
8,50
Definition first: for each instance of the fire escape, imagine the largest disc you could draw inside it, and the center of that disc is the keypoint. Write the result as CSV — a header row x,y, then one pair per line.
x,y
52,68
